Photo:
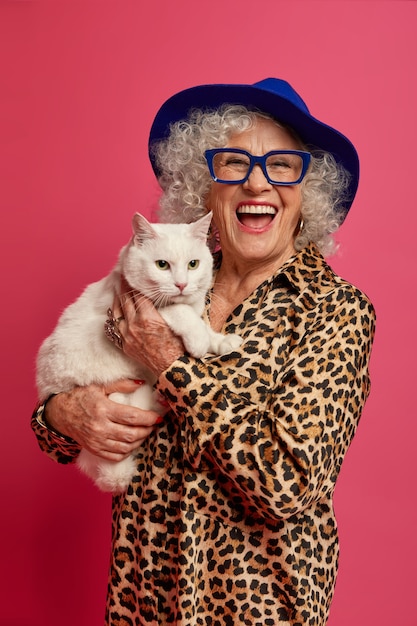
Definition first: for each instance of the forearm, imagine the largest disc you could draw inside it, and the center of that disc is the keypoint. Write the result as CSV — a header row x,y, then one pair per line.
x,y
281,446
239,436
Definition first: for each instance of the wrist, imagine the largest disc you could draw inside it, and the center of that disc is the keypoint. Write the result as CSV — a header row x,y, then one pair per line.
x,y
40,414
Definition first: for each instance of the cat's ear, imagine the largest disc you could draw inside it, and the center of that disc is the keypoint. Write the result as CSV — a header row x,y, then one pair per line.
x,y
200,228
142,229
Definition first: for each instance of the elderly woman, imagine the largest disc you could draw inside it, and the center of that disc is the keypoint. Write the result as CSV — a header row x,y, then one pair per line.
x,y
230,519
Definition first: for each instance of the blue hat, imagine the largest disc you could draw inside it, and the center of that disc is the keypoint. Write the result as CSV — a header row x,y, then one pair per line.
x,y
273,96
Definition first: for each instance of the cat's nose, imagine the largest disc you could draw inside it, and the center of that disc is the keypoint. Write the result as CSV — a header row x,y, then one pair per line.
x,y
181,286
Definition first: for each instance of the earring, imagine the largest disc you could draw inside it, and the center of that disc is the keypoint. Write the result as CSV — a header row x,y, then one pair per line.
x,y
300,225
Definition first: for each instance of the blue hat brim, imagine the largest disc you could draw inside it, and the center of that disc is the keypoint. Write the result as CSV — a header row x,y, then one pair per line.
x,y
272,96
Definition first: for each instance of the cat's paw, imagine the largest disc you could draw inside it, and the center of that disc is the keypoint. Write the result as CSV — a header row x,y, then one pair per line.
x,y
116,477
230,343
197,346
222,344
108,475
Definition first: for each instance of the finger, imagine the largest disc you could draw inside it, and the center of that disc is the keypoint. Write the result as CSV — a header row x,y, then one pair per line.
x,y
128,308
120,441
143,310
125,288
117,307
126,438
124,385
132,416
129,442
113,454
127,294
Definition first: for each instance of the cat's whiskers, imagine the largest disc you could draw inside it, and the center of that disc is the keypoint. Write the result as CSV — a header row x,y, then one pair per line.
x,y
58,369
138,299
220,302
215,297
162,300
131,293
159,299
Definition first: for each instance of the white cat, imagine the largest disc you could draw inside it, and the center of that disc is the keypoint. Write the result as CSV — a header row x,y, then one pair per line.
x,y
169,263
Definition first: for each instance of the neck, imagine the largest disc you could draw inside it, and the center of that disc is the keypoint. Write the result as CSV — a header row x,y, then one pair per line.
x,y
234,283
246,274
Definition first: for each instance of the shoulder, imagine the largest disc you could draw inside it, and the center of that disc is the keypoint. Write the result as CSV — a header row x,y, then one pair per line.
x,y
325,300
346,314
316,275
341,290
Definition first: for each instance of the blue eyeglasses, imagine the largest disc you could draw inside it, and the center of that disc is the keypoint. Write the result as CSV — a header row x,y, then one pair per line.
x,y
233,166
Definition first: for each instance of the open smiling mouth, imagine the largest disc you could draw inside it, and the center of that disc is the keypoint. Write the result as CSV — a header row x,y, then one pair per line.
x,y
256,216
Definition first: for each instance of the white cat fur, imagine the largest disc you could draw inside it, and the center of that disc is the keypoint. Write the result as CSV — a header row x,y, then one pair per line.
x,y
78,352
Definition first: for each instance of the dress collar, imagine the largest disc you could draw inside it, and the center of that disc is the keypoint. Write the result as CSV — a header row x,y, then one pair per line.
x,y
302,268
299,271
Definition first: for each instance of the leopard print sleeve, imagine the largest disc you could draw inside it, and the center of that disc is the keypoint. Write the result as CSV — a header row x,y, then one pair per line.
x,y
60,448
277,417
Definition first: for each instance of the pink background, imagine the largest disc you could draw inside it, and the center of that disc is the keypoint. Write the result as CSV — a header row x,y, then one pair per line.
x,y
80,84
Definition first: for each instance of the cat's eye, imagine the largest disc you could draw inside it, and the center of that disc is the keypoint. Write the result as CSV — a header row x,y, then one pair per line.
x,y
162,265
193,264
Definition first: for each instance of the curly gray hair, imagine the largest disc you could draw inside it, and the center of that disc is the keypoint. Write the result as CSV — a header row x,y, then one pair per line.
x,y
185,179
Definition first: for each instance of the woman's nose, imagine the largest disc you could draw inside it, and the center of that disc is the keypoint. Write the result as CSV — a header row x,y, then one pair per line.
x,y
256,180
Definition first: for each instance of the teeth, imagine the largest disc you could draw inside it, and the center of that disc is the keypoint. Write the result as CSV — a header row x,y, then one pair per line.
x,y
254,209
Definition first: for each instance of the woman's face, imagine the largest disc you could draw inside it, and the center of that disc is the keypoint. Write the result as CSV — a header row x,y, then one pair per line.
x,y
257,221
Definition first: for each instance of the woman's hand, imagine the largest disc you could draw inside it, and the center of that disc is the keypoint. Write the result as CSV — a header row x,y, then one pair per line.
x,y
145,335
105,428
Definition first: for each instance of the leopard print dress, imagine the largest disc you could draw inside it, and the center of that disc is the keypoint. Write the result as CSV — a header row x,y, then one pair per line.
x,y
229,520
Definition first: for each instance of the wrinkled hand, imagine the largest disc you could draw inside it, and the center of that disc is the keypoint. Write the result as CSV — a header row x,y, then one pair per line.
x,y
146,337
103,427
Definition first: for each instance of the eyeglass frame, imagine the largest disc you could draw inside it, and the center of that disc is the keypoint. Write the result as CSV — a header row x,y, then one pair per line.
x,y
256,160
